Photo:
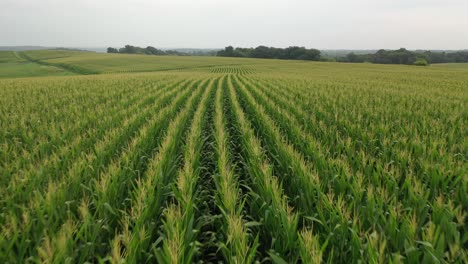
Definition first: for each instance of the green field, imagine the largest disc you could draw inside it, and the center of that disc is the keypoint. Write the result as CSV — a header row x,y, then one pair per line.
x,y
124,63
14,66
206,159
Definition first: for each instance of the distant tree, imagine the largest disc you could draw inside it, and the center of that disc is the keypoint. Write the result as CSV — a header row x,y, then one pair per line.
x,y
435,57
129,49
243,52
261,52
293,53
153,51
311,54
459,56
351,57
400,56
112,50
229,50
421,62
404,56
381,57
175,53
290,53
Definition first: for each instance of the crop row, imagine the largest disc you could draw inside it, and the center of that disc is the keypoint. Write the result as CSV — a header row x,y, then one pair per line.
x,y
225,166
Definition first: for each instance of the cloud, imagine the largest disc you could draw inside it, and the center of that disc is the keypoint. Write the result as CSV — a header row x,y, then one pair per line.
x,y
215,23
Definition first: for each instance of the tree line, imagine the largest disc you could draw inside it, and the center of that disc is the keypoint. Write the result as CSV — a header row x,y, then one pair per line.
x,y
399,56
290,53
129,49
404,56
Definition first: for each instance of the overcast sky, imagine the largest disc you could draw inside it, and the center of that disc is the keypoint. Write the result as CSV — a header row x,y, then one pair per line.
x,y
324,24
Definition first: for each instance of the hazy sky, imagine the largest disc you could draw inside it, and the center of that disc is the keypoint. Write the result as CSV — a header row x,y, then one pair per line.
x,y
324,24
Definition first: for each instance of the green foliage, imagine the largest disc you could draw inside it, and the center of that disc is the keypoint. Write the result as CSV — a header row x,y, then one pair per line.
x,y
112,50
129,49
290,53
421,62
232,160
403,56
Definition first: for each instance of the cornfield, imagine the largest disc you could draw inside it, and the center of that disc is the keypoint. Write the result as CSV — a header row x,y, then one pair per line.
x,y
296,163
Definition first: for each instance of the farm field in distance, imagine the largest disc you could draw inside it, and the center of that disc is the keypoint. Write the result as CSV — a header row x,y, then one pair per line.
x,y
142,159
14,66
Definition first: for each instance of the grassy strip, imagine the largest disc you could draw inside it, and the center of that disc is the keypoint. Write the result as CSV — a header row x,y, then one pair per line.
x,y
66,67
